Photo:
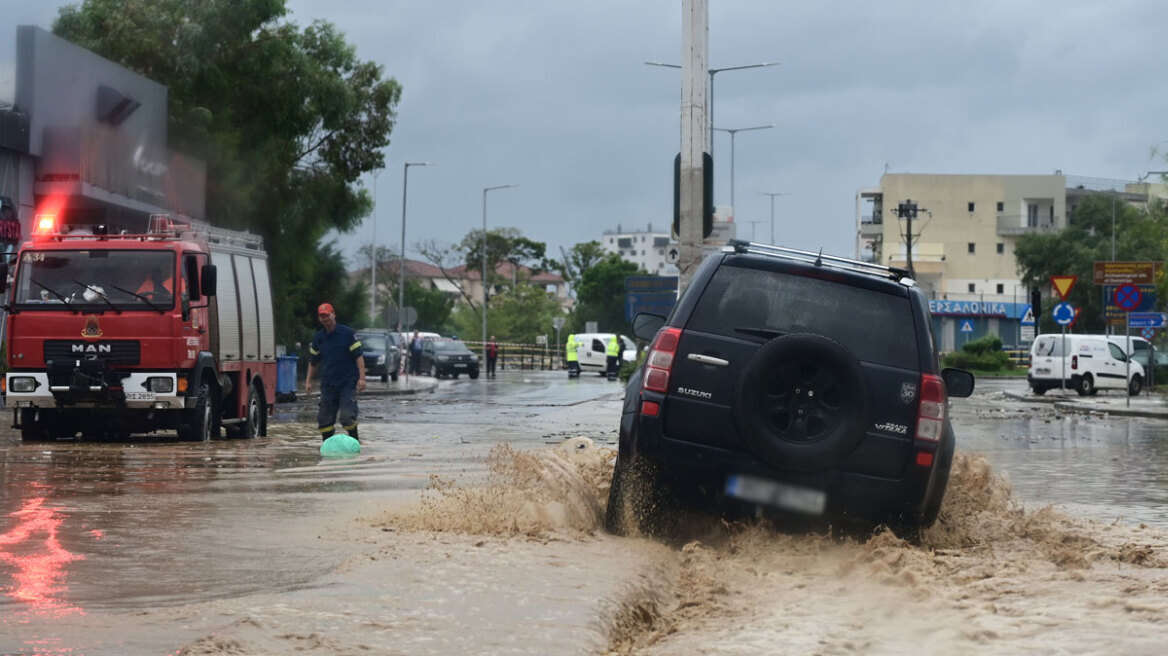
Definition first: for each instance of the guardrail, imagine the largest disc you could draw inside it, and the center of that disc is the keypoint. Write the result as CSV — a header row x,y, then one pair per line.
x,y
530,357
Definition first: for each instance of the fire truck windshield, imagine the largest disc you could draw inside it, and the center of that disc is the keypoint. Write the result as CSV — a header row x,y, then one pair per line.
x,y
94,280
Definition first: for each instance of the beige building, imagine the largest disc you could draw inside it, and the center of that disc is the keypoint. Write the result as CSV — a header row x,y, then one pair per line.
x,y
963,237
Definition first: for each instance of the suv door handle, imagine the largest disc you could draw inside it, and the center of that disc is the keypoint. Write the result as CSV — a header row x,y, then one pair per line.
x,y
708,359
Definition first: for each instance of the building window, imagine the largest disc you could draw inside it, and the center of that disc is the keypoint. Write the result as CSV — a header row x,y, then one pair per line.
x,y
1001,248
1032,216
972,248
1001,206
970,206
1001,288
972,289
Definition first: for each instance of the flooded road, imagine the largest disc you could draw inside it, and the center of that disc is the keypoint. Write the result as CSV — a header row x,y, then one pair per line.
x,y
436,540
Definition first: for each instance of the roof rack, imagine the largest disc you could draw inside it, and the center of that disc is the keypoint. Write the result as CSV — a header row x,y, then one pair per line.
x,y
819,259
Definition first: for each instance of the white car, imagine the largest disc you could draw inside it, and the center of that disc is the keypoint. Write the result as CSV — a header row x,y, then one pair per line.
x,y
592,348
1084,363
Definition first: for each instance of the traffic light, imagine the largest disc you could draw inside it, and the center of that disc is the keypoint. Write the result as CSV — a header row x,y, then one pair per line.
x,y
707,195
1036,302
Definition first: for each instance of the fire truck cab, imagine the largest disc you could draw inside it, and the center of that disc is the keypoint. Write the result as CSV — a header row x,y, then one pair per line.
x,y
113,334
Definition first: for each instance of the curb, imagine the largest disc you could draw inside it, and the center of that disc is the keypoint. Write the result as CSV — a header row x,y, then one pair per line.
x,y
1087,407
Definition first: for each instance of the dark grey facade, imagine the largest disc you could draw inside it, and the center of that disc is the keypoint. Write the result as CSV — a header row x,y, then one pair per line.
x,y
86,140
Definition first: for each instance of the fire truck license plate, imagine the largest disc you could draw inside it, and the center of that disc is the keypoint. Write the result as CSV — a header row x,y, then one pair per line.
x,y
139,396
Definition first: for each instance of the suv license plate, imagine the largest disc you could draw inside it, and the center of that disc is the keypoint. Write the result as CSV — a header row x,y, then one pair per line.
x,y
791,497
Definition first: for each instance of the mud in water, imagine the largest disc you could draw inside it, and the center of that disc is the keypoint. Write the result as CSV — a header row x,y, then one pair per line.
x,y
989,577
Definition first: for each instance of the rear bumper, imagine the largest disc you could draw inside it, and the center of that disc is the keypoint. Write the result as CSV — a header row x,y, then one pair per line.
x,y
849,495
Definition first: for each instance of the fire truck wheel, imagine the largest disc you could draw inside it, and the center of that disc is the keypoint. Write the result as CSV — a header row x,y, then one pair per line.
x,y
33,429
198,423
253,427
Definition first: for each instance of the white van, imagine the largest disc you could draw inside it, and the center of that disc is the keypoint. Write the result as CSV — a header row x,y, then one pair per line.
x,y
592,348
1086,364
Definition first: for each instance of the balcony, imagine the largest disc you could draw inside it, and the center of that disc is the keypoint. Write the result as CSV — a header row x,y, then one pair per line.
x,y
1016,224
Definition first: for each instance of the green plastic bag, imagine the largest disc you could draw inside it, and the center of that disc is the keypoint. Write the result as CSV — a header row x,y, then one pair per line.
x,y
340,444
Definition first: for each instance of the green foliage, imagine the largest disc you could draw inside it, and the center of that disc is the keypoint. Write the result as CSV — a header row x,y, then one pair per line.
x,y
287,119
577,260
987,344
1139,236
987,361
600,295
434,307
503,245
522,313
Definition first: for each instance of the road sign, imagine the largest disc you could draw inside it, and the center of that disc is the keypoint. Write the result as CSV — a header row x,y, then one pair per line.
x,y
1063,285
1064,314
558,323
1113,315
1118,273
1147,319
1148,333
1128,297
1028,316
967,326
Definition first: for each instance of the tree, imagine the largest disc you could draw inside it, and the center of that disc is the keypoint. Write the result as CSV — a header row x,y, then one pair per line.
x,y
578,259
1139,236
287,119
600,295
503,245
522,313
433,307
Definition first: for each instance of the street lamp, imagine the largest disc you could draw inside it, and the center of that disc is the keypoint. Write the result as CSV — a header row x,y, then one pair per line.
x,y
373,256
712,72
484,255
734,131
401,264
772,194
752,224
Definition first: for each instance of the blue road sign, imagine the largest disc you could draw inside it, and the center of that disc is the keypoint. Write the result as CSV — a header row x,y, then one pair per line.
x,y
1064,314
1147,319
1128,297
967,326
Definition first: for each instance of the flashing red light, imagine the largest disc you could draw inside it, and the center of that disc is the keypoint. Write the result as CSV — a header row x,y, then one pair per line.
x,y
46,224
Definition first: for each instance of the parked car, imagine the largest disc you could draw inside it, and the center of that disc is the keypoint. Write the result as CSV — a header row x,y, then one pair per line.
x,y
381,352
791,382
1084,363
591,350
449,357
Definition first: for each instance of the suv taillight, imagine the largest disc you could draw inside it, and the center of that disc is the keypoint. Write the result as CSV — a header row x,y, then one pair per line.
x,y
931,411
659,363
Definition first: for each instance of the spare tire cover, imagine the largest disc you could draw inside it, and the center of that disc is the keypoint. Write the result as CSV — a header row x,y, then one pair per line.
x,y
801,403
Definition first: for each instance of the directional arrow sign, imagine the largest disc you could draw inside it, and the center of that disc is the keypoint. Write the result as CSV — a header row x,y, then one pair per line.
x,y
1147,319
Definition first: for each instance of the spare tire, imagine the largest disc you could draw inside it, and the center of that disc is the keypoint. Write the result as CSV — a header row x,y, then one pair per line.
x,y
800,402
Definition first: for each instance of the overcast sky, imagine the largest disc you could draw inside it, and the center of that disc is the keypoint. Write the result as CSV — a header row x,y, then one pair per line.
x,y
555,97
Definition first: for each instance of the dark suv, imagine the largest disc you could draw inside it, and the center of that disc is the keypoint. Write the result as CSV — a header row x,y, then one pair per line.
x,y
381,352
788,381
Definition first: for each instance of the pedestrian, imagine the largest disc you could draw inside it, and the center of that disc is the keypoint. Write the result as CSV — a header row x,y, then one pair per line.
x,y
336,351
614,353
572,355
416,354
492,357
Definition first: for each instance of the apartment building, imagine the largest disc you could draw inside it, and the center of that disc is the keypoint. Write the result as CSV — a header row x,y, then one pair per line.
x,y
647,248
963,236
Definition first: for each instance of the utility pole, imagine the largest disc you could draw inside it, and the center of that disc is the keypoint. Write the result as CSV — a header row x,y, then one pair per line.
x,y
694,138
907,210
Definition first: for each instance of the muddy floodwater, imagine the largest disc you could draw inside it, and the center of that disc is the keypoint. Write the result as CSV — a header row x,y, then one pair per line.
x,y
471,524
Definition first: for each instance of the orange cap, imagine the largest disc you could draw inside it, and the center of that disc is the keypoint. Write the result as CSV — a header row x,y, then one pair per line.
x,y
326,308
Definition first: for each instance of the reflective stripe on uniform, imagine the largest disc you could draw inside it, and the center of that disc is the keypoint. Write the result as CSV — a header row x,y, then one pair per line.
x,y
356,345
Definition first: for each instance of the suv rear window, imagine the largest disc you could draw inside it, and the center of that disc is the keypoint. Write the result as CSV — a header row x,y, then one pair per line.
x,y
877,326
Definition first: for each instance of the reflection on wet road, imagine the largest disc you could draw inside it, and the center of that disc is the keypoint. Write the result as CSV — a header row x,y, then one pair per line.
x,y
1103,467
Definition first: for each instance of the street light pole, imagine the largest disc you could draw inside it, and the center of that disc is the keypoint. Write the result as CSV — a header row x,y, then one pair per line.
x,y
734,131
484,255
752,224
401,262
712,72
772,194
373,257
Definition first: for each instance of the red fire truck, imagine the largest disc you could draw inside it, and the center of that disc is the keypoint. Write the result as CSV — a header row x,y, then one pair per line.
x,y
113,334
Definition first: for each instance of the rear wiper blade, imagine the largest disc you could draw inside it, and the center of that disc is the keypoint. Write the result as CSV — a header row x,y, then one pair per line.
x,y
99,293
54,293
759,332
145,300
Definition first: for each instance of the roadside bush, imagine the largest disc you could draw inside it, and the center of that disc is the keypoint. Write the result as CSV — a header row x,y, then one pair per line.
x,y
983,354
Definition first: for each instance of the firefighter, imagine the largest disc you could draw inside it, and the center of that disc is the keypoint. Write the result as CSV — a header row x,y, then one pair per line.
x,y
613,351
157,283
336,351
573,357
